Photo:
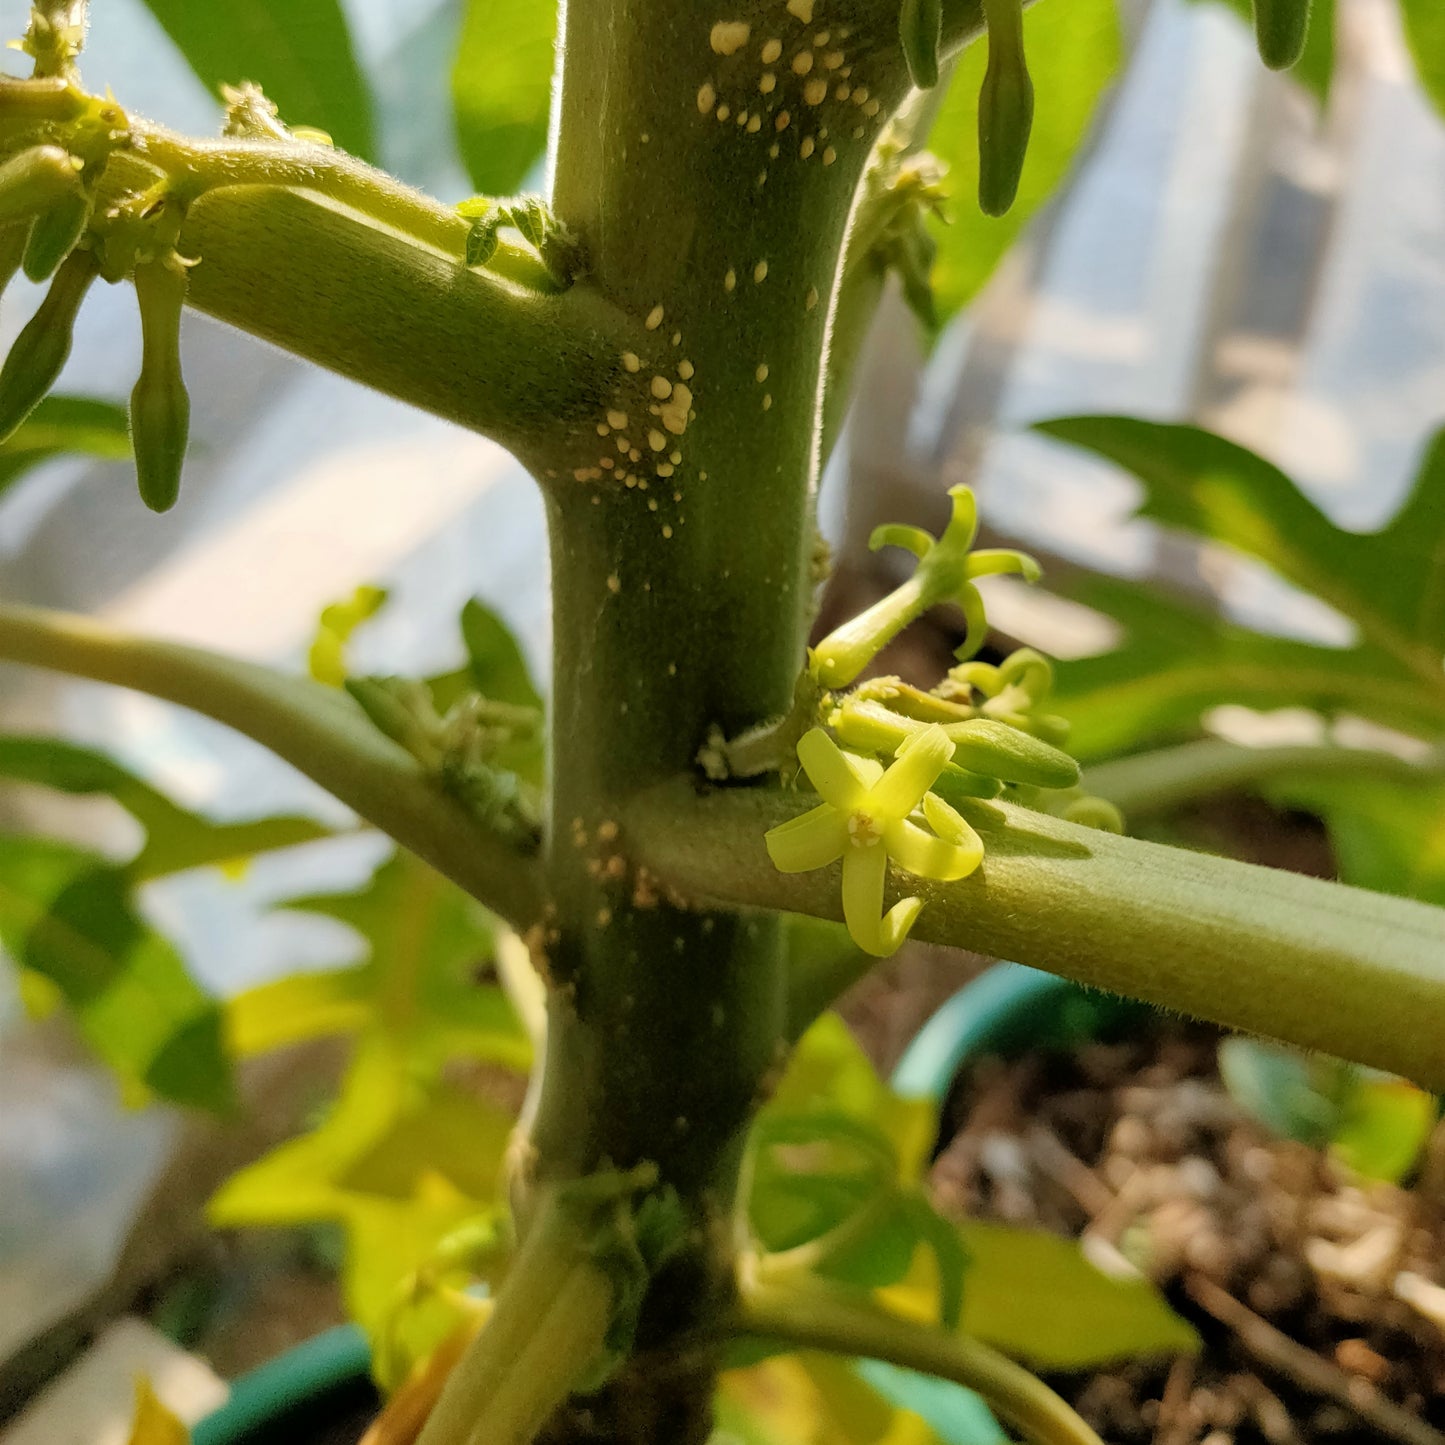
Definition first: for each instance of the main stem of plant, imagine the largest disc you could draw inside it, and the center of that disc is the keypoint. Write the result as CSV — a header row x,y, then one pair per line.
x,y
714,203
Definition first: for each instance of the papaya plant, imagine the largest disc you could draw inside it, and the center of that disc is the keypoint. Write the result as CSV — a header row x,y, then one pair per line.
x,y
718,828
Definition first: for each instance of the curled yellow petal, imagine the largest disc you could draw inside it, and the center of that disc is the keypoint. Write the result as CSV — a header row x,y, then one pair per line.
x,y
927,855
864,870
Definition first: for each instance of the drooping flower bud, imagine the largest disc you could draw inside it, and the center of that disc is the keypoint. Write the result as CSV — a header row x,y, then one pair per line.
x,y
55,234
920,32
160,407
1280,27
1005,109
42,347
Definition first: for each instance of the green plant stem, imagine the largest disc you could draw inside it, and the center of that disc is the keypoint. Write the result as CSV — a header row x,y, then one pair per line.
x,y
549,1324
319,731
818,1319
365,277
1319,965
1156,782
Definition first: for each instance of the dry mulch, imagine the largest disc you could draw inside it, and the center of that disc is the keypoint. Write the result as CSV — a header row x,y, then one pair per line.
x,y
1320,1300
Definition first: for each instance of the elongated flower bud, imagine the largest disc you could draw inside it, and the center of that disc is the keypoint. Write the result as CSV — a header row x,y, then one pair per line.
x,y
42,347
34,181
920,32
1280,27
55,234
160,407
1005,109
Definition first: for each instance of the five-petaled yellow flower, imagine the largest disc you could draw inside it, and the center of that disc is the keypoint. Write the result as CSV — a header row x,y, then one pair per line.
x,y
866,818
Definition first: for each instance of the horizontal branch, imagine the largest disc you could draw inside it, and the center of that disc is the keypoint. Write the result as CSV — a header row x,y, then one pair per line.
x,y
340,264
1319,965
316,729
816,1319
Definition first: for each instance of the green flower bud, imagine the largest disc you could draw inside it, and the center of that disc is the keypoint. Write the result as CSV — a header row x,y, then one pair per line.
x,y
1092,812
35,180
55,234
1280,27
1005,109
160,408
920,31
1005,752
43,346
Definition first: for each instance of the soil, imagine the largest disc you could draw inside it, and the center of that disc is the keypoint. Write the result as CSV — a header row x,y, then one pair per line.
x,y
1320,1301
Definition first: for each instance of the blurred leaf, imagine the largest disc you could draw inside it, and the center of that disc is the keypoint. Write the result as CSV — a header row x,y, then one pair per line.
x,y
814,1399
154,1423
1386,837
298,51
1425,32
1385,1127
958,1416
835,1167
326,660
176,838
1315,69
401,1164
63,424
425,943
502,89
1073,56
1374,1124
1296,1096
69,916
1036,1297
1180,661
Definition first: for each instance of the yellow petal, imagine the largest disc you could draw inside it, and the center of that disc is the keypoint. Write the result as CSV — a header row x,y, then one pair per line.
x,y
828,769
813,840
154,1423
929,857
914,770
863,873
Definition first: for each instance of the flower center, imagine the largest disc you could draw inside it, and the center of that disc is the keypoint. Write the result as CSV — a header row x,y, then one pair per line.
x,y
863,832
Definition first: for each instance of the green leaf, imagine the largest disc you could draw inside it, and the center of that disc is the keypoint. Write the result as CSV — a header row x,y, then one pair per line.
x,y
1036,1297
68,916
425,941
501,89
1386,837
176,838
62,424
1180,661
1073,55
298,51
1297,1096
402,1163
1385,1127
1373,1123
1425,33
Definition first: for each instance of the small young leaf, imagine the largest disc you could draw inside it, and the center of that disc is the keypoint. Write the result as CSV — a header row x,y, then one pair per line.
x,y
61,424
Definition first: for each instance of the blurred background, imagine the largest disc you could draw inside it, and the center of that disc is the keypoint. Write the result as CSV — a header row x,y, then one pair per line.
x,y
1200,241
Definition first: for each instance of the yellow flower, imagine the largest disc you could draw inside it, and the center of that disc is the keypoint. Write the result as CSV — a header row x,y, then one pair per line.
x,y
866,818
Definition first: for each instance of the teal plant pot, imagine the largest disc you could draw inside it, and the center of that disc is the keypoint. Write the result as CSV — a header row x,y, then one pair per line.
x,y
305,1397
